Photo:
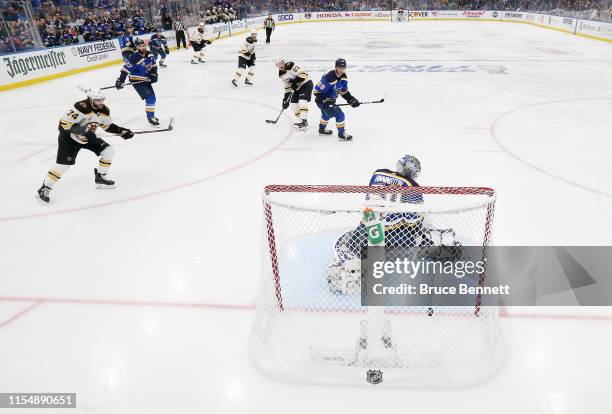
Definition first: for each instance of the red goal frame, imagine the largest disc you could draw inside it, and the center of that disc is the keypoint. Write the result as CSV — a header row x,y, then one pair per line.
x,y
380,190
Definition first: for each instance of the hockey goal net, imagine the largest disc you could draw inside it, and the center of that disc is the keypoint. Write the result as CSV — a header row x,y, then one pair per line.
x,y
310,323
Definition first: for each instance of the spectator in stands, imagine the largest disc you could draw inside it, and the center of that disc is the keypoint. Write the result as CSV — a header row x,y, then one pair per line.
x,y
166,21
105,19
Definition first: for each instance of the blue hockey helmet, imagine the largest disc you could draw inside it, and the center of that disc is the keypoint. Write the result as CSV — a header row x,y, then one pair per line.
x,y
409,166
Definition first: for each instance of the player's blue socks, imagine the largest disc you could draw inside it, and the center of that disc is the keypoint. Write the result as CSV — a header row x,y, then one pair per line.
x,y
150,106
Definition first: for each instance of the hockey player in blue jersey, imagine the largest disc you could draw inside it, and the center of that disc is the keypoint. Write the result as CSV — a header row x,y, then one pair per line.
x,y
126,41
332,84
142,73
159,46
403,229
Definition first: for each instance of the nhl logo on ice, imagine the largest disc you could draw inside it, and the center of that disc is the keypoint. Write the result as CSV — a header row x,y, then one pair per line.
x,y
374,376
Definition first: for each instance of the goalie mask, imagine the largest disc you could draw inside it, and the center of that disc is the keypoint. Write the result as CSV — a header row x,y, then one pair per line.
x,y
409,166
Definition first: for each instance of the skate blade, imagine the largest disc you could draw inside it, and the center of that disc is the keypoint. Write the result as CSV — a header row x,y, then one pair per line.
x,y
41,201
104,187
301,129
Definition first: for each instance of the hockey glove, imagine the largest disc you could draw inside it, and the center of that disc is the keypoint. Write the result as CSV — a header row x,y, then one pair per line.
x,y
118,84
354,102
153,75
328,103
208,42
125,133
167,51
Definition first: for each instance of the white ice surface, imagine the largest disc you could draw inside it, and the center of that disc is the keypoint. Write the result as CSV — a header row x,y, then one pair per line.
x,y
128,280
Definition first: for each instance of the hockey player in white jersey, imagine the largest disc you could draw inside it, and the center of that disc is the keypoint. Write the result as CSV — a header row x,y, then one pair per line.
x,y
298,90
198,42
246,60
77,130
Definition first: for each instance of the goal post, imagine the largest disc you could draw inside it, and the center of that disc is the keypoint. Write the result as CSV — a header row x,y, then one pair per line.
x,y
311,325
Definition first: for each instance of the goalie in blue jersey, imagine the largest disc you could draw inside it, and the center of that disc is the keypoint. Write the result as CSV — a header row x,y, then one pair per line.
x,y
402,229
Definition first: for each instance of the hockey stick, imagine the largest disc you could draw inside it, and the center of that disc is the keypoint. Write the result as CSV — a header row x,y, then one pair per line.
x,y
169,128
381,100
274,121
125,84
83,89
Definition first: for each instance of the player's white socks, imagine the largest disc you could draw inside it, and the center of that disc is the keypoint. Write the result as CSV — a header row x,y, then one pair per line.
x,y
303,104
106,159
55,174
251,73
296,111
198,55
238,74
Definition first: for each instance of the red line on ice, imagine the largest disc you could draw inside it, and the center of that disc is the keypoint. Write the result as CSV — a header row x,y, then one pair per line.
x,y
492,130
173,188
236,306
19,314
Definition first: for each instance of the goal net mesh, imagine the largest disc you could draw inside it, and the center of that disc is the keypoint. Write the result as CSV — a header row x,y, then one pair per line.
x,y
310,324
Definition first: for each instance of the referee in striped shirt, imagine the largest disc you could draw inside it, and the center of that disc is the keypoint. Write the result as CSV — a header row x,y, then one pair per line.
x,y
269,24
179,28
